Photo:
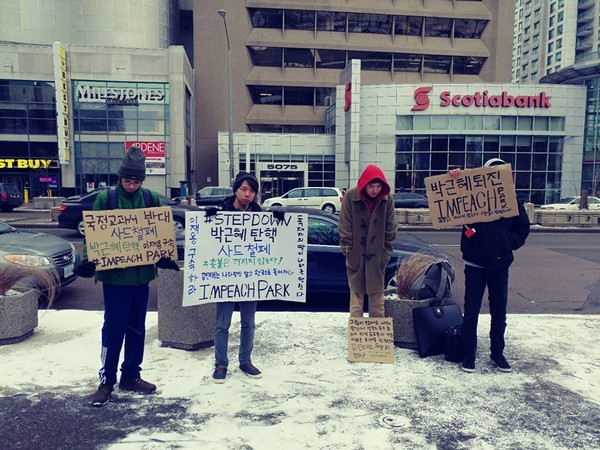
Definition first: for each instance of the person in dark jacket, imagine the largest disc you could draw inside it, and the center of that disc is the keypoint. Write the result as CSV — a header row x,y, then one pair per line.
x,y
245,188
487,250
368,230
125,292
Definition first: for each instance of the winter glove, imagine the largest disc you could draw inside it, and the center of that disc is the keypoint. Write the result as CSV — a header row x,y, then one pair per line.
x,y
166,263
86,269
212,211
279,215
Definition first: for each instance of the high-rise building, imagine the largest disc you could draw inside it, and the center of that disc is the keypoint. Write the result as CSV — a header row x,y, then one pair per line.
x,y
553,34
288,55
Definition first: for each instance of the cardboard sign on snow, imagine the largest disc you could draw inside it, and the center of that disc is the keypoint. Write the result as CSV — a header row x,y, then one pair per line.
x,y
477,195
118,238
371,339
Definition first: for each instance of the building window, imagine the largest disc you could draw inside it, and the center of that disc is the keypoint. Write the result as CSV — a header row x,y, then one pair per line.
x,y
331,21
298,57
266,18
372,60
27,107
551,34
438,27
369,23
469,28
405,62
467,65
297,19
266,56
550,47
409,26
559,43
436,64
330,59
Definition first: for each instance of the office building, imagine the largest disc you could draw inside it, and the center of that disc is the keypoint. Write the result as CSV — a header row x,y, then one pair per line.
x,y
288,57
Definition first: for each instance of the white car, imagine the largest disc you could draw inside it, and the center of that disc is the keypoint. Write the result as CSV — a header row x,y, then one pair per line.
x,y
572,204
326,198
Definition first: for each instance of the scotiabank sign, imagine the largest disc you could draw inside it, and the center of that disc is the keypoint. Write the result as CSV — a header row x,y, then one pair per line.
x,y
483,99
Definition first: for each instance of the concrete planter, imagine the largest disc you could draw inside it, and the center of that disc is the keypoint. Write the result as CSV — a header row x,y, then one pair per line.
x,y
187,328
18,316
400,310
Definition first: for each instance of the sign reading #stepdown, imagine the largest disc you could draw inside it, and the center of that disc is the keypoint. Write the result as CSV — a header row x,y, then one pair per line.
x,y
477,195
244,256
119,238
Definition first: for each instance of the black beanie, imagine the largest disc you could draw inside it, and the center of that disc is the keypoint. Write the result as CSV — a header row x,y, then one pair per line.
x,y
245,176
133,165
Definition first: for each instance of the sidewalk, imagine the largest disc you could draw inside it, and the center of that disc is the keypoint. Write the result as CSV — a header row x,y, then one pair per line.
x,y
310,396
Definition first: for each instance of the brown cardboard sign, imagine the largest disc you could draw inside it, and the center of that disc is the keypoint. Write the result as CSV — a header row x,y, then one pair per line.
x,y
371,339
129,237
477,195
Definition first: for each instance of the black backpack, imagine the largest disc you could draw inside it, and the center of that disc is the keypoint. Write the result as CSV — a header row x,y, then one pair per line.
x,y
436,282
113,201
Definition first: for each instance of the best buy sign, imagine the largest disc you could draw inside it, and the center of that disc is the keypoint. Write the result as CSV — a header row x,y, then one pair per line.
x,y
22,163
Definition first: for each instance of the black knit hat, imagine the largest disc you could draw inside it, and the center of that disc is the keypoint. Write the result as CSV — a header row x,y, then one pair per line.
x,y
245,176
133,165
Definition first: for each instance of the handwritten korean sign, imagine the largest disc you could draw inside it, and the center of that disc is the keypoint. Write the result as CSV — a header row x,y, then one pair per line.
x,y
244,256
477,195
129,237
371,339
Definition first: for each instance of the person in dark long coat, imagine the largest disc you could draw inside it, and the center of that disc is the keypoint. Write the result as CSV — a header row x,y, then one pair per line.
x,y
367,233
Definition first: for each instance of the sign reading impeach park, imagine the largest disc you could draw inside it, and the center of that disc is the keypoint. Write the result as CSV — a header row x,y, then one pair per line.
x,y
129,237
244,256
477,195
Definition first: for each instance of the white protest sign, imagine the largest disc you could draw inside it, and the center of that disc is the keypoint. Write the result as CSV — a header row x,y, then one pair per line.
x,y
244,256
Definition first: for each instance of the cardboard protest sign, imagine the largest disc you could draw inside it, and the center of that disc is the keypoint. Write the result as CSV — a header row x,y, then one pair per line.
x,y
129,237
244,256
371,339
477,195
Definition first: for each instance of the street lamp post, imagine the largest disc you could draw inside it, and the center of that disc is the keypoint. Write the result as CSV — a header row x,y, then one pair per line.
x,y
222,13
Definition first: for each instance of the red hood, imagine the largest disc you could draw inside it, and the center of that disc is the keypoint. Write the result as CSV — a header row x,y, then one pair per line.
x,y
370,174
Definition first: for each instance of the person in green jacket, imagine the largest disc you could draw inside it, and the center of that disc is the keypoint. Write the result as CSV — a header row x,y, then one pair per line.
x,y
125,291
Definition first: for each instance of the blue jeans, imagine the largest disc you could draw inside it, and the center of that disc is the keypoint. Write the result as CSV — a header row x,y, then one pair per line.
x,y
124,319
224,313
476,280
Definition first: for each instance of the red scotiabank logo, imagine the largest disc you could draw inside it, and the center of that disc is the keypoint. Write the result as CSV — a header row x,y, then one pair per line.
x,y
421,98
481,100
348,97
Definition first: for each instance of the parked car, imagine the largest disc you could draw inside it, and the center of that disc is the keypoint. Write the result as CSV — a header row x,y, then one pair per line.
x,y
325,198
410,200
71,211
572,204
212,195
326,265
10,197
30,249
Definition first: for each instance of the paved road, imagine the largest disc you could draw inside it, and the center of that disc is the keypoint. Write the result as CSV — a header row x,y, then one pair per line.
x,y
556,271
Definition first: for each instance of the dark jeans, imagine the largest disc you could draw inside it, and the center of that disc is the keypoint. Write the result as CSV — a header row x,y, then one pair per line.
x,y
476,280
224,313
124,318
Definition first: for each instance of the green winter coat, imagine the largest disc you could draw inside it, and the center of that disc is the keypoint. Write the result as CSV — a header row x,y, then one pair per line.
x,y
128,276
366,238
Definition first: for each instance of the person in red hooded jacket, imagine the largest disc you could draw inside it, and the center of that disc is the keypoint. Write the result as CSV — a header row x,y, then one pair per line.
x,y
367,233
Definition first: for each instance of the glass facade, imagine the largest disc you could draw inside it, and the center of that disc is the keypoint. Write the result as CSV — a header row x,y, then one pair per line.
x,y
321,168
351,22
27,159
27,107
536,157
372,61
104,110
590,173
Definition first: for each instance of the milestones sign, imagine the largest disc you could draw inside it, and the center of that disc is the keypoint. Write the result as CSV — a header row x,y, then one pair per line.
x,y
129,237
477,195
244,256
